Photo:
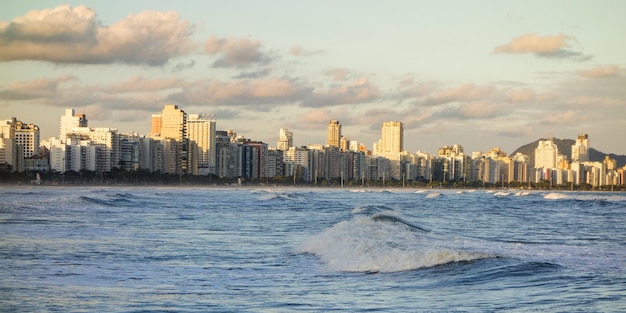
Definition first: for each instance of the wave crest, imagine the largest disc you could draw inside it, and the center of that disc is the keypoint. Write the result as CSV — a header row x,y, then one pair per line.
x,y
365,244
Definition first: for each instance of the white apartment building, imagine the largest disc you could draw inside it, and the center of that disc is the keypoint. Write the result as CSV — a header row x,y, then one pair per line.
x,y
285,139
201,131
546,154
580,149
392,139
71,120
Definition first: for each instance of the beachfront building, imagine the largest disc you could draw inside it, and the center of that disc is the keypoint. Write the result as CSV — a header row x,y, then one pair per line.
x,y
170,127
546,154
71,120
333,134
580,149
201,133
285,139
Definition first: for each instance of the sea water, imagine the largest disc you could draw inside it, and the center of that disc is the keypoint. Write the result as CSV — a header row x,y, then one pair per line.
x,y
178,249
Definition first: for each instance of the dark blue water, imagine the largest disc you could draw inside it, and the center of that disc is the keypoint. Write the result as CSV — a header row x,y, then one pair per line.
x,y
284,250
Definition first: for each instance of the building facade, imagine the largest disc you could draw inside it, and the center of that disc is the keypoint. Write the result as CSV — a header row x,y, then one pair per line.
x,y
201,131
285,139
333,134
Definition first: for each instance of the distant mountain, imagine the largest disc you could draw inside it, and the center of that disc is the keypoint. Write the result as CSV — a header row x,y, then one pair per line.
x,y
565,148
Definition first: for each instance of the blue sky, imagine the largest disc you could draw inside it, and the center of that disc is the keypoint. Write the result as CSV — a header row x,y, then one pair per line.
x,y
481,74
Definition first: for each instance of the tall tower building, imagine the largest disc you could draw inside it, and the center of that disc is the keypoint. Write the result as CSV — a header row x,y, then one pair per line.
x,y
333,134
201,131
285,139
580,149
173,123
546,154
71,120
392,137
155,130
173,131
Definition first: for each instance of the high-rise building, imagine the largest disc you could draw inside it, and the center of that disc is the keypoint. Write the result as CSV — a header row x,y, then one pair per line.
x,y
344,144
285,139
450,151
546,154
27,136
171,125
155,130
173,122
392,139
201,131
333,134
71,120
580,149
93,149
9,155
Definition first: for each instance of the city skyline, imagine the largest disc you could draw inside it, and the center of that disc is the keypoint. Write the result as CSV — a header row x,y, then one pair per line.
x,y
390,134
476,74
184,143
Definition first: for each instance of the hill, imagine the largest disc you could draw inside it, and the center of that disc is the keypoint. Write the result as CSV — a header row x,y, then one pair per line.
x,y
565,148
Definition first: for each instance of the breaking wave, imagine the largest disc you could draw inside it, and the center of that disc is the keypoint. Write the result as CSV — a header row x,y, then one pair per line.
x,y
555,196
382,242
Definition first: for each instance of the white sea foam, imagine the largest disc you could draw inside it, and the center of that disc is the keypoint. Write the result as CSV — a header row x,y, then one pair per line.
x,y
555,196
432,195
267,196
501,194
363,244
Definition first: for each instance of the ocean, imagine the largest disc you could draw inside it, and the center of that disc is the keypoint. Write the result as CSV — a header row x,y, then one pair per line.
x,y
229,249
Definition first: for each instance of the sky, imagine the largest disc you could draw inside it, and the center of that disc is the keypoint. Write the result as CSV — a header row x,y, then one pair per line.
x,y
481,74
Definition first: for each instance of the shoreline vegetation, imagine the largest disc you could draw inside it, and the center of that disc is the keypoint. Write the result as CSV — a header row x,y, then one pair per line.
x,y
147,179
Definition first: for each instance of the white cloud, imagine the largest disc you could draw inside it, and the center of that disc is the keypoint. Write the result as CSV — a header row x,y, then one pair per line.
x,y
236,52
68,34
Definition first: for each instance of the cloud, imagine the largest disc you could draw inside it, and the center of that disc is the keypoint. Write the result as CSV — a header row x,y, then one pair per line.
x,y
567,118
66,35
463,92
411,89
264,72
140,84
520,95
248,92
597,101
317,116
236,52
556,46
515,132
136,93
181,66
600,72
302,52
357,91
341,74
480,110
42,88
